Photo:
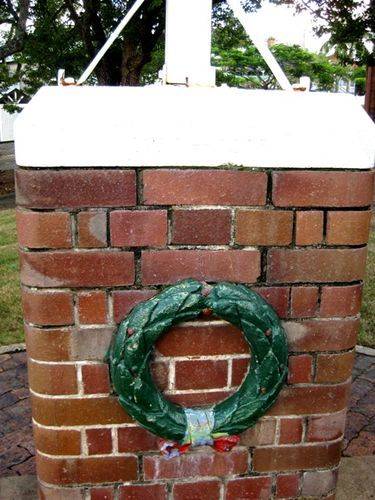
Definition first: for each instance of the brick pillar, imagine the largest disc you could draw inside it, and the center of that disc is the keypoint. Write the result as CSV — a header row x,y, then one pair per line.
x,y
95,242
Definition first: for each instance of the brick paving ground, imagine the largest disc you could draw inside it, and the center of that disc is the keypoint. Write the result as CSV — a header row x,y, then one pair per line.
x,y
17,450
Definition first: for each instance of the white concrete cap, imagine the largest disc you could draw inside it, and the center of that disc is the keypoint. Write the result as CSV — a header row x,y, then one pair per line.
x,y
178,126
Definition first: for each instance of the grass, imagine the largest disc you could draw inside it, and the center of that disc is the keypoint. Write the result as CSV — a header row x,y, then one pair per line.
x,y
11,330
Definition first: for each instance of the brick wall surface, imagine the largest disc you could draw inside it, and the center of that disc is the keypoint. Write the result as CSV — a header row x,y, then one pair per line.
x,y
95,242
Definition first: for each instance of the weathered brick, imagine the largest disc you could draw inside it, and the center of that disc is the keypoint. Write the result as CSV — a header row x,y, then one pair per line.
x,y
210,338
92,229
95,379
332,335
44,229
169,266
195,464
204,187
92,307
287,486
201,374
88,470
56,493
199,490
138,228
334,367
160,374
300,369
318,483
107,493
290,430
53,307
302,400
143,491
75,188
340,301
90,344
57,441
309,227
52,378
326,427
304,301
296,457
264,227
201,227
261,434
277,297
77,269
136,439
48,344
196,398
322,189
348,228
99,441
258,488
316,265
125,300
78,411
240,367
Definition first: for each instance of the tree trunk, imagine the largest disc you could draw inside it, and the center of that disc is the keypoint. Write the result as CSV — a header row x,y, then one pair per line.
x,y
370,91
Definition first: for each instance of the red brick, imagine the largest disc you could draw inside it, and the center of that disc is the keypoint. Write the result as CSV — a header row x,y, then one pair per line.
x,y
201,227
296,457
92,308
348,228
99,441
169,266
125,300
48,344
136,439
333,335
57,441
143,491
290,430
52,378
102,494
75,188
340,301
139,228
318,483
261,434
53,308
240,368
203,398
258,488
277,297
204,187
89,470
302,400
334,367
213,338
300,369
207,463
95,379
316,265
264,227
326,427
92,229
287,486
199,490
201,374
309,227
318,189
77,269
304,301
44,229
78,411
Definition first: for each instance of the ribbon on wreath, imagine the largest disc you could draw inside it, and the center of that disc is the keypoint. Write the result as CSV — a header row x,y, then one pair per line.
x,y
200,423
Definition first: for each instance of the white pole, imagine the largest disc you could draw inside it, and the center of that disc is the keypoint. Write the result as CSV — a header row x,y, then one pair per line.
x,y
90,68
260,44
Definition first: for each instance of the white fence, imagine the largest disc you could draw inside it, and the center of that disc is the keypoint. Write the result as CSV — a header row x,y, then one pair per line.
x,y
6,125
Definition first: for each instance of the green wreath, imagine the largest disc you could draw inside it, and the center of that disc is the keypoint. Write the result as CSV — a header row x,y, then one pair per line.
x,y
129,357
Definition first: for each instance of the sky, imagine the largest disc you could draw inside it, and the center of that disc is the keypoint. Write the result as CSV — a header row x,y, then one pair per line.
x,y
281,22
